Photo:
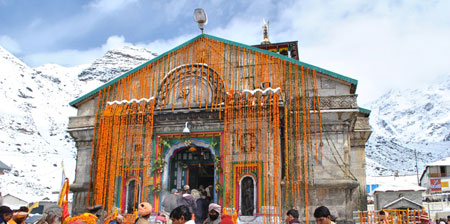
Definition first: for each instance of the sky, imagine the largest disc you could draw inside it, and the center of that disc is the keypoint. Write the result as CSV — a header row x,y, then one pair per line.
x,y
384,44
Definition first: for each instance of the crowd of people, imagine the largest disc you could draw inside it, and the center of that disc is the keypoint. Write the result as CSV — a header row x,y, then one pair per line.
x,y
51,215
13,216
196,201
183,207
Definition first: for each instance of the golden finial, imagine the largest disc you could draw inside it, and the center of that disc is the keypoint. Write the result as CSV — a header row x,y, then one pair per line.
x,y
266,32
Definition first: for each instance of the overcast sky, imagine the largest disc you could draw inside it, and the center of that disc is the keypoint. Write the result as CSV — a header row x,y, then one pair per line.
x,y
383,44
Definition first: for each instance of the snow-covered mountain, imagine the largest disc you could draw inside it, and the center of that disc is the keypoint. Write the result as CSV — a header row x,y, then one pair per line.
x,y
116,62
34,112
409,124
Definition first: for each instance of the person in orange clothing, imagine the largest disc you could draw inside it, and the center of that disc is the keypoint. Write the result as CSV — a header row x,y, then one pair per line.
x,y
19,216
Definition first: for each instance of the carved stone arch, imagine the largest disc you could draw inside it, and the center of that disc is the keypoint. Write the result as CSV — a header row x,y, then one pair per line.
x,y
190,85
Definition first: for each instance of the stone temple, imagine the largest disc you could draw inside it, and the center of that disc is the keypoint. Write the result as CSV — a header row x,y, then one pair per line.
x,y
263,131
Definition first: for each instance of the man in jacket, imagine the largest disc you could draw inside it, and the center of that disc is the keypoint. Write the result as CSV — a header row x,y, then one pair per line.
x,y
170,201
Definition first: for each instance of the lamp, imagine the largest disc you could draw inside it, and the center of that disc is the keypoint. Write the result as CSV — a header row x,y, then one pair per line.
x,y
186,130
201,18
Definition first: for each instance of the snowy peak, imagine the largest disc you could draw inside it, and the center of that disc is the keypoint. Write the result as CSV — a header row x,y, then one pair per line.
x,y
419,115
409,126
11,63
116,62
34,114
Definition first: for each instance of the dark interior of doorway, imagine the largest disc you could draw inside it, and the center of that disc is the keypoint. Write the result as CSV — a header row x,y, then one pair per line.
x,y
196,165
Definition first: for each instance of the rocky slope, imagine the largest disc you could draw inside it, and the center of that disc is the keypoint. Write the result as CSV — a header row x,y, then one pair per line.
x,y
34,114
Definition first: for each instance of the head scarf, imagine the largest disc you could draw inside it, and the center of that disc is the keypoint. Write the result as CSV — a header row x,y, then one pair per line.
x,y
214,207
145,209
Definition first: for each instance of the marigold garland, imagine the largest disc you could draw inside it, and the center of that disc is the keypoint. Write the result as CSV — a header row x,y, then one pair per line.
x,y
122,147
86,218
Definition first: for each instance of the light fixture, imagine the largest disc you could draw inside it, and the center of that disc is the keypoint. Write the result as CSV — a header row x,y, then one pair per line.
x,y
201,18
186,130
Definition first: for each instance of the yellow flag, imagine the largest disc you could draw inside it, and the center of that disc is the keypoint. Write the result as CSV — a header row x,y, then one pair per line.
x,y
64,184
33,206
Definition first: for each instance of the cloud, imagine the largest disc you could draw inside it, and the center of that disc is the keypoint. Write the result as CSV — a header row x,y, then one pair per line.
x,y
383,44
10,44
72,57
109,6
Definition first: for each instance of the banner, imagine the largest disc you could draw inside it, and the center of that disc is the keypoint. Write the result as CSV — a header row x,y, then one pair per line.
x,y
435,185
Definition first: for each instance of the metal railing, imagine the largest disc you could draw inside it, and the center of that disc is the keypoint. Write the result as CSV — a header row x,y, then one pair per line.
x,y
395,216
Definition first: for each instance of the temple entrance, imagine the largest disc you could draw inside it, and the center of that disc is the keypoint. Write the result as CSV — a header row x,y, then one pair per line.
x,y
192,165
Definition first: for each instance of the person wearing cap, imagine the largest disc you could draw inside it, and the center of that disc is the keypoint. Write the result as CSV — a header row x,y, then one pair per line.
x,y
181,214
170,201
5,214
213,214
19,216
144,211
322,215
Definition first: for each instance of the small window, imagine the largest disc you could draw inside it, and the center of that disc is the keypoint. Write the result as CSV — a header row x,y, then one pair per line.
x,y
443,173
434,171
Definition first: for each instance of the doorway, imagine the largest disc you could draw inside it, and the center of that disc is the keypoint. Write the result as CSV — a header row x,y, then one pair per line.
x,y
191,165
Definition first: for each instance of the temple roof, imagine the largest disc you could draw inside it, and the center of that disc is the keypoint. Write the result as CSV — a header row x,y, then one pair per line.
x,y
4,166
353,82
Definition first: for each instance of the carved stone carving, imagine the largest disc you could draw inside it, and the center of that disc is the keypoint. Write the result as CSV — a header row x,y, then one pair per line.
x,y
337,102
191,86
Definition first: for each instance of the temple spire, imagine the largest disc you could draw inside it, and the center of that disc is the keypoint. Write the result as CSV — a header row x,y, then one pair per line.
x,y
266,32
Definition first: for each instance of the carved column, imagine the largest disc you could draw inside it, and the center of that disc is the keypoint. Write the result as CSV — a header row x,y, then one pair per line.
x,y
82,130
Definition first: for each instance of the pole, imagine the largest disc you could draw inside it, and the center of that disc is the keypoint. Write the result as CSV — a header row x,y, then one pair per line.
x,y
417,167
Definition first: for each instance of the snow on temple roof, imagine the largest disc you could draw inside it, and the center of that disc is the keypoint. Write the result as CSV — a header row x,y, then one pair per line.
x,y
443,162
253,91
399,186
402,199
131,101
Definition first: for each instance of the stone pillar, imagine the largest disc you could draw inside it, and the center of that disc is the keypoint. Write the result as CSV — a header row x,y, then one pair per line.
x,y
359,136
81,128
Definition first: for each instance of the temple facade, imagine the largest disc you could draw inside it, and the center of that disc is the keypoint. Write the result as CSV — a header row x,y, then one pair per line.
x,y
263,131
